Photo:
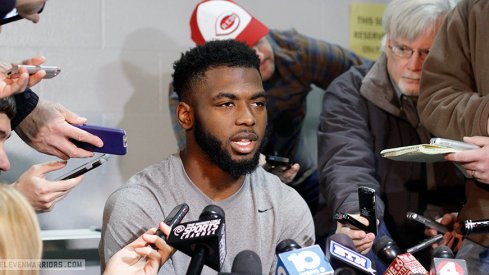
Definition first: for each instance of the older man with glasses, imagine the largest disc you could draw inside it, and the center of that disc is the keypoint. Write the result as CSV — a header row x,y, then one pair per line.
x,y
372,107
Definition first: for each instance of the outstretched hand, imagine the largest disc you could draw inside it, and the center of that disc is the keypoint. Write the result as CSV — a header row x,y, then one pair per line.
x,y
286,174
475,161
139,257
452,238
41,193
21,80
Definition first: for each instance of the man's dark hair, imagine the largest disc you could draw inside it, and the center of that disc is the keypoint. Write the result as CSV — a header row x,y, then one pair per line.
x,y
193,64
8,107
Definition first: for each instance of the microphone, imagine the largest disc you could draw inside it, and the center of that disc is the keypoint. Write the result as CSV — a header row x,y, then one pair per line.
x,y
341,254
442,251
386,249
427,222
405,264
424,244
443,262
474,227
294,260
246,262
399,264
204,240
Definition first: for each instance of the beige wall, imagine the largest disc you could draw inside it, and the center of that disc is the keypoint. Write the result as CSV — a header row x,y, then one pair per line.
x,y
116,58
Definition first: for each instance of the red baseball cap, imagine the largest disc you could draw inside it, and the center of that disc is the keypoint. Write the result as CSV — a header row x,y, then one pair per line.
x,y
218,20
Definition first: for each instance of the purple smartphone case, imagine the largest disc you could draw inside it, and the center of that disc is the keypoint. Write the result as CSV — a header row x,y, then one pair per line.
x,y
115,140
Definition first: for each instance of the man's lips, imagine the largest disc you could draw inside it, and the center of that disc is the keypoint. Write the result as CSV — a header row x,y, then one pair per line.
x,y
244,143
412,77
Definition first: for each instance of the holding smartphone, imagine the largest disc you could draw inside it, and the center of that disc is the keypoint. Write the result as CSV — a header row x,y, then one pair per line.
x,y
51,71
80,170
115,140
278,161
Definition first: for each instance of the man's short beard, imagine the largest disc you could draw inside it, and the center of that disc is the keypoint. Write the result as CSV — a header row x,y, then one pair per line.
x,y
212,147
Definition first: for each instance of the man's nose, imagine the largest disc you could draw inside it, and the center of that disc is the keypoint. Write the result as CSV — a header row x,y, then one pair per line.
x,y
246,116
415,62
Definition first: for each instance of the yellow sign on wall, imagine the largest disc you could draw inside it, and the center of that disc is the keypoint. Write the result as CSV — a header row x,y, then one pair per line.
x,y
366,30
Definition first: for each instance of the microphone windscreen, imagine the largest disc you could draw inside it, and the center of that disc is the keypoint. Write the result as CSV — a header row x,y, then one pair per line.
x,y
386,249
442,251
286,245
247,262
211,211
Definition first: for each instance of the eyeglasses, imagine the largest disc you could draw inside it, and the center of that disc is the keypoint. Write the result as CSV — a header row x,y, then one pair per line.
x,y
406,52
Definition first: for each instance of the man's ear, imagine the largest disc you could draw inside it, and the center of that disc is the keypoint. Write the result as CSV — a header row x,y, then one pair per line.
x,y
185,115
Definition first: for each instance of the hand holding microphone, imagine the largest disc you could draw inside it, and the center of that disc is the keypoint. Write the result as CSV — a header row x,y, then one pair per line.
x,y
448,226
148,252
466,227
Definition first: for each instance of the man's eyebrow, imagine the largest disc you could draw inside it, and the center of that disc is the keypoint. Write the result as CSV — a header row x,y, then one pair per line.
x,y
407,47
260,94
225,95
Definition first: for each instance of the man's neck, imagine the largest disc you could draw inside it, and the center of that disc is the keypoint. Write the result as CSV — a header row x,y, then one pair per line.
x,y
400,94
208,177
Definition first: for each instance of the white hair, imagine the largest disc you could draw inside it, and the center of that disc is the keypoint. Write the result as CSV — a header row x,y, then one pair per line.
x,y
409,19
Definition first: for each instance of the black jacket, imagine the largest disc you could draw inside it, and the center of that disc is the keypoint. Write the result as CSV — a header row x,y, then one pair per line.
x,y
361,116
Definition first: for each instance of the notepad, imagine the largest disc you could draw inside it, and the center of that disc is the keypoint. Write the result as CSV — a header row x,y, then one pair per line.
x,y
419,153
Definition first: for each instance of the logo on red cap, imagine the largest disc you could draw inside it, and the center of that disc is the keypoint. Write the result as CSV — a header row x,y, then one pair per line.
x,y
227,24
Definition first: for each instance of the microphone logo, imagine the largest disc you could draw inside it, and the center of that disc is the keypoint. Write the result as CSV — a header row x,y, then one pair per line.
x,y
349,256
450,266
304,261
197,229
207,233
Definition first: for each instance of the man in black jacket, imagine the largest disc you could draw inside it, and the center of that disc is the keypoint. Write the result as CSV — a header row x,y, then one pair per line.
x,y
370,108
